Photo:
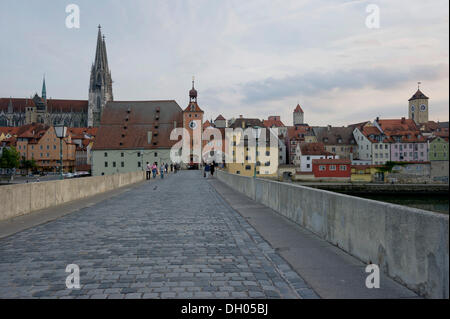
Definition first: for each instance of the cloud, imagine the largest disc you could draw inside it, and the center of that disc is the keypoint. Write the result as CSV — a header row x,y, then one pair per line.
x,y
313,83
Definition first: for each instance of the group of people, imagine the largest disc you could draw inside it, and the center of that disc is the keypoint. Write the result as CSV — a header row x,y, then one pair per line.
x,y
154,169
209,168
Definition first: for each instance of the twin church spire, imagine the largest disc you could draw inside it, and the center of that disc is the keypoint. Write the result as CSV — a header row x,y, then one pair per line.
x,y
100,88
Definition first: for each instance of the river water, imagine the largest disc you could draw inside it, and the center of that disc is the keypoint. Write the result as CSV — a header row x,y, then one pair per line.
x,y
435,203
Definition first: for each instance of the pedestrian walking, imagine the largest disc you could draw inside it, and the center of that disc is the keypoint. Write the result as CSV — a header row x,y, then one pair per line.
x,y
206,171
148,171
171,167
213,167
167,168
161,171
155,169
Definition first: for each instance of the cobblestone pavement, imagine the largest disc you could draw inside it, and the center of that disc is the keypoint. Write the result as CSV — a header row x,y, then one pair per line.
x,y
171,238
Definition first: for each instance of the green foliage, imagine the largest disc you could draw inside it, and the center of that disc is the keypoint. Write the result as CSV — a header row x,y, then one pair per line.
x,y
29,164
10,158
388,166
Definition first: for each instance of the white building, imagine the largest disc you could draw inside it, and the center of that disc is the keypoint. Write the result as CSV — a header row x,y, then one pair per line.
x,y
307,152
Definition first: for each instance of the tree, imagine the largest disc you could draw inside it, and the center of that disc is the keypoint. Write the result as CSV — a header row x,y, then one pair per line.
x,y
10,158
29,164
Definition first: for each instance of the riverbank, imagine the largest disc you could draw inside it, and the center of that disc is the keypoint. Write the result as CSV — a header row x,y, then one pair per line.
x,y
358,188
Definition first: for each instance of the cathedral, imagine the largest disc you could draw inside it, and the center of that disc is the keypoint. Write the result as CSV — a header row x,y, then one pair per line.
x,y
73,113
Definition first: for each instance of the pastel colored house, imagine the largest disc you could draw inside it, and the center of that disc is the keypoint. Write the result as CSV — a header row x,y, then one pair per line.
x,y
366,173
332,169
438,149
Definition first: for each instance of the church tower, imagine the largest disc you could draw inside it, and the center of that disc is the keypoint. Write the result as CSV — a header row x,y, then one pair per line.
x,y
193,123
100,87
298,116
418,107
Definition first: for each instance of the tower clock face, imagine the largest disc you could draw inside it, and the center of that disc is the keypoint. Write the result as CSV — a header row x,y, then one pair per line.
x,y
423,107
192,125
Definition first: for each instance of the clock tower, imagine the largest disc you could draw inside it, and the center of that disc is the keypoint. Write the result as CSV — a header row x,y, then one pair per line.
x,y
193,123
418,107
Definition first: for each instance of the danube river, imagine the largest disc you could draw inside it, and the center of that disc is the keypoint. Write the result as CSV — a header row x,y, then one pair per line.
x,y
437,203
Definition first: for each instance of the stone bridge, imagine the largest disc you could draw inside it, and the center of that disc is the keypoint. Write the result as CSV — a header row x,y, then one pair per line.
x,y
184,236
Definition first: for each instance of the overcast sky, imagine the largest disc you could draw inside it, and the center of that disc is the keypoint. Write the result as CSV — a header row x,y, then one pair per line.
x,y
255,57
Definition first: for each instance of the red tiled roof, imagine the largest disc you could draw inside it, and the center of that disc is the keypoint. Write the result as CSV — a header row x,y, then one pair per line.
x,y
398,125
298,109
273,123
297,131
220,118
418,95
331,161
207,124
126,125
313,149
82,130
193,107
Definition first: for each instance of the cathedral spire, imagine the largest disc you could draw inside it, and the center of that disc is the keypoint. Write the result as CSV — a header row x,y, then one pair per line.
x,y
10,106
100,89
44,90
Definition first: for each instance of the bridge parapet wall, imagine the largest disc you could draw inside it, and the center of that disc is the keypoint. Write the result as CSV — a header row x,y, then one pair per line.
x,y
21,199
410,245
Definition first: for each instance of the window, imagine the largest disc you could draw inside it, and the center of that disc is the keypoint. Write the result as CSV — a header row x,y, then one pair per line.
x,y
121,155
332,167
106,154
322,168
122,164
114,164
308,165
248,167
139,164
138,154
343,167
106,164
156,154
238,172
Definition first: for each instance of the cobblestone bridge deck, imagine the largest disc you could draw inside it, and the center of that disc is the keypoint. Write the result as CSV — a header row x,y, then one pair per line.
x,y
171,238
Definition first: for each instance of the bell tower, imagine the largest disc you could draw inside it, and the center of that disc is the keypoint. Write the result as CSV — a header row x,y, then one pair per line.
x,y
193,123
418,107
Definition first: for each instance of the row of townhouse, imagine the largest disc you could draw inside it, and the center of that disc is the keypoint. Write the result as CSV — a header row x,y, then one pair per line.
x,y
38,142
397,140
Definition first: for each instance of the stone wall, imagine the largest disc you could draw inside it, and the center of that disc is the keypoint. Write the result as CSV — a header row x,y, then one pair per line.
x,y
439,171
409,245
21,199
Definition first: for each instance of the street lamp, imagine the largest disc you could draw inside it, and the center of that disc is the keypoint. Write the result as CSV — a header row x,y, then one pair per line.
x,y
61,131
256,131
